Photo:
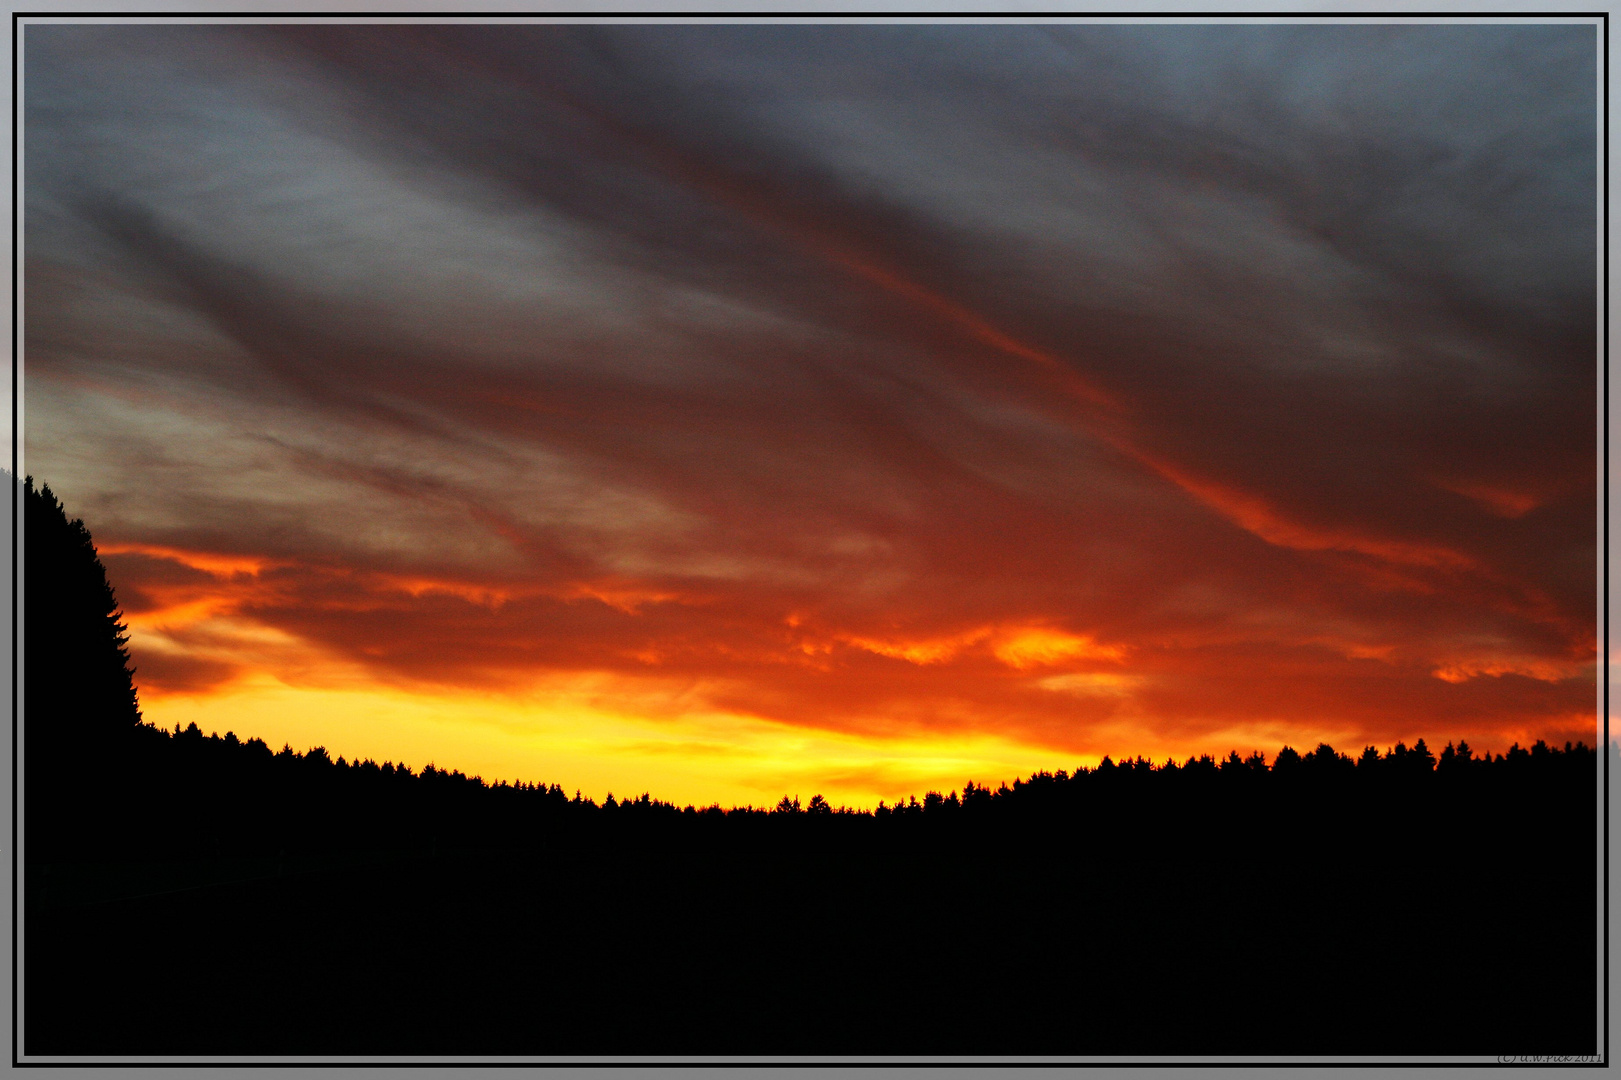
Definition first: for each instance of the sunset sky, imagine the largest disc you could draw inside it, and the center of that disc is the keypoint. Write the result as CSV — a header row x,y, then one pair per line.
x,y
732,411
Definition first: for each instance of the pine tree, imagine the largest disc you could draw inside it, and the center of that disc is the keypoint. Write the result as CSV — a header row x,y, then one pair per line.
x,y
76,661
79,699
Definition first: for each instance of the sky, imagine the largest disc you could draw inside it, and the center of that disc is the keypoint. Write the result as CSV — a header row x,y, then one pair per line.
x,y
728,412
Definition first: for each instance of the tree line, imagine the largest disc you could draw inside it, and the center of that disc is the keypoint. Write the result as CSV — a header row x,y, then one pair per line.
x,y
1322,766
99,780
1395,902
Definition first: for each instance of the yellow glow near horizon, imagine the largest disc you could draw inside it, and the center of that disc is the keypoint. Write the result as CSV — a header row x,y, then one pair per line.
x,y
557,736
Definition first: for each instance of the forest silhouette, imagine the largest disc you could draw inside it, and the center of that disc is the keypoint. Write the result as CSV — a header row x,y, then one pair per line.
x,y
1396,902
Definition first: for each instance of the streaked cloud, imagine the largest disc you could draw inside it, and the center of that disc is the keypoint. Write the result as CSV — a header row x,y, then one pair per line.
x,y
865,402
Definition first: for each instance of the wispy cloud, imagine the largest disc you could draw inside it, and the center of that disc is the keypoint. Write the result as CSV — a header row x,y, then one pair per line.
x,y
1093,387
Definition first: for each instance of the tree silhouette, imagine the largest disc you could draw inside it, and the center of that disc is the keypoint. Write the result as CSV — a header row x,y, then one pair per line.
x,y
78,682
79,700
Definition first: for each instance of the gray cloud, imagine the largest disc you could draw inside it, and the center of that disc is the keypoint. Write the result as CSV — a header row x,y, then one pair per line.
x,y
796,315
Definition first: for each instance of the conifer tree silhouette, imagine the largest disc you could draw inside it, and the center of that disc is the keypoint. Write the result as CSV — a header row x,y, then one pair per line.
x,y
79,699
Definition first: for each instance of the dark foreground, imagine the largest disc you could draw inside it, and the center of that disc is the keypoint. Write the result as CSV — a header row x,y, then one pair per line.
x,y
1328,935
203,895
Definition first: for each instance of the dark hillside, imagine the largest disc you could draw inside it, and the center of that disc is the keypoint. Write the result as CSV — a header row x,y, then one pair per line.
x,y
1241,931
204,894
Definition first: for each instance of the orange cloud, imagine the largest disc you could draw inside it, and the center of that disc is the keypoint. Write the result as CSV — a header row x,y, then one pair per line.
x,y
1256,515
417,585
219,565
1039,647
621,595
1503,501
1017,646
1542,670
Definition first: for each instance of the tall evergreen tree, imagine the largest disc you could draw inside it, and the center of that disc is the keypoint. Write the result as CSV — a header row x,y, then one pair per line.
x,y
79,698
